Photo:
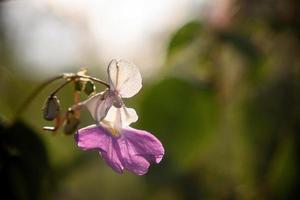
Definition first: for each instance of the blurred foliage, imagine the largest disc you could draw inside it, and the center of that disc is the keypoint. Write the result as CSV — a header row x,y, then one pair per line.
x,y
24,167
226,107
186,108
184,36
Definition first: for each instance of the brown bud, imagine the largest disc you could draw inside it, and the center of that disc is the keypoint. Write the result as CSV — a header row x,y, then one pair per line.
x,y
51,108
71,124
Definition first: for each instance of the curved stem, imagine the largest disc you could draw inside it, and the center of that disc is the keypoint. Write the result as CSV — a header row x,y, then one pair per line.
x,y
94,79
27,102
60,87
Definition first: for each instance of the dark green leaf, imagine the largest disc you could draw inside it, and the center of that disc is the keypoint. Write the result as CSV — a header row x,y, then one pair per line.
x,y
184,36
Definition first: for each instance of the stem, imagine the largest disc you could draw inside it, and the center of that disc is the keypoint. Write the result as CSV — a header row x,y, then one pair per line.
x,y
27,102
60,87
76,101
95,79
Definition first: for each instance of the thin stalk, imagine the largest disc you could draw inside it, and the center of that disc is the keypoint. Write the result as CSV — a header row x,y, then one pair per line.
x,y
29,99
60,87
95,79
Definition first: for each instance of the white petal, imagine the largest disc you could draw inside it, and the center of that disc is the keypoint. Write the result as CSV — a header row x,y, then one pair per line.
x,y
117,125
98,106
124,77
128,116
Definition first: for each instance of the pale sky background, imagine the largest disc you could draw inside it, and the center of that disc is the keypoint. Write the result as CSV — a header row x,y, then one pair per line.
x,y
53,35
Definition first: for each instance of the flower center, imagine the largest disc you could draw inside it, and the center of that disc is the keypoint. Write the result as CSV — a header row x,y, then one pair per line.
x,y
114,131
116,99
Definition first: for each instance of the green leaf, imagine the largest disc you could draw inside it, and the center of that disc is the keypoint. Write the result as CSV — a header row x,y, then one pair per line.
x,y
184,36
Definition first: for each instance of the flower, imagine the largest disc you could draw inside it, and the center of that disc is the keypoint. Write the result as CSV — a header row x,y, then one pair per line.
x,y
124,81
131,149
121,146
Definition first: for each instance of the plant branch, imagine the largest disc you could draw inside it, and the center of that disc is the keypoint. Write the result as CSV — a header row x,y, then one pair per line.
x,y
27,101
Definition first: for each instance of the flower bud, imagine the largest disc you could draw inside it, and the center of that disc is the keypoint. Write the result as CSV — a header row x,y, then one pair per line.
x,y
71,124
89,87
51,108
78,85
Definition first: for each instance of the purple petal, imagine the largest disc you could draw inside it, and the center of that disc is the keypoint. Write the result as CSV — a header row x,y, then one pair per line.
x,y
112,155
144,144
97,137
93,137
133,150
131,160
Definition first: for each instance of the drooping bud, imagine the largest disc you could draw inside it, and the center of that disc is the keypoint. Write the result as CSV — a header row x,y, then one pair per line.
x,y
78,85
51,108
89,87
71,124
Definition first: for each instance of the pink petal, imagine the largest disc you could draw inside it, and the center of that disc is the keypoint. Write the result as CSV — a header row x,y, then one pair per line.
x,y
112,155
144,144
93,137
97,137
133,150
131,160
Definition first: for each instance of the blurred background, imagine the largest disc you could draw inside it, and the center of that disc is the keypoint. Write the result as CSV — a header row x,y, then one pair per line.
x,y
221,90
